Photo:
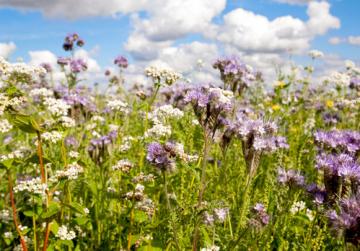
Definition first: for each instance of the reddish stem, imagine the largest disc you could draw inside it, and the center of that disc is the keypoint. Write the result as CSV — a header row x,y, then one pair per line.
x,y
22,241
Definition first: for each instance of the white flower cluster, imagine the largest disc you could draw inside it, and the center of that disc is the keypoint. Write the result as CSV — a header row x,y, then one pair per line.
x,y
17,154
74,154
126,144
147,206
5,216
57,107
53,136
163,113
123,165
211,248
119,106
301,206
6,68
97,118
5,102
5,126
167,75
72,172
33,185
41,92
138,194
67,122
340,79
64,234
179,148
224,97
158,131
143,178
315,54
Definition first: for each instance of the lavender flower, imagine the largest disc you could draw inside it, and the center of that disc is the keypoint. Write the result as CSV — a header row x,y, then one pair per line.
x,y
347,220
47,67
290,177
261,217
121,61
162,156
78,65
345,140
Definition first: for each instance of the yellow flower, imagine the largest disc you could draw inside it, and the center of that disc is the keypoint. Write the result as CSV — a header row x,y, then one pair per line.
x,y
280,84
329,103
275,107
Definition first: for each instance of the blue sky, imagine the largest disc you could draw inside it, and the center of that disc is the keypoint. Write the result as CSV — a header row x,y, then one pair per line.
x,y
137,29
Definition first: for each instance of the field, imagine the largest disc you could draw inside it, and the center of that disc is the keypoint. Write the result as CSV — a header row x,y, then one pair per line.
x,y
241,164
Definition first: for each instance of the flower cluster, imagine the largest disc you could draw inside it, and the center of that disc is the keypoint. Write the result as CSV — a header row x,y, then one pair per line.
x,y
64,234
71,172
347,219
123,165
261,217
52,137
210,106
162,156
290,177
236,75
78,65
31,185
336,139
121,61
57,107
158,75
5,126
118,106
72,39
165,112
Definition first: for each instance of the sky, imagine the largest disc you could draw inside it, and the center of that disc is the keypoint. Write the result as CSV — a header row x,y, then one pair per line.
x,y
179,33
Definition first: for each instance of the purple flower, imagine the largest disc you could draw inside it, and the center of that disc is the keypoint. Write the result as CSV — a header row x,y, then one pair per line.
x,y
78,65
161,156
290,177
121,61
47,67
345,140
63,61
347,220
260,214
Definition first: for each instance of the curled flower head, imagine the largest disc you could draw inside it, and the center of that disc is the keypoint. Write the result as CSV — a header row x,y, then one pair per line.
x,y
121,61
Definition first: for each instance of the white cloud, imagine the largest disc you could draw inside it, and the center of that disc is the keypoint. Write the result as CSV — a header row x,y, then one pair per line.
x,y
78,9
39,57
93,66
251,32
300,2
6,49
354,40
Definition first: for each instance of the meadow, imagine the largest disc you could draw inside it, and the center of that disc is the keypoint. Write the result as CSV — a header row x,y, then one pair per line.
x,y
240,164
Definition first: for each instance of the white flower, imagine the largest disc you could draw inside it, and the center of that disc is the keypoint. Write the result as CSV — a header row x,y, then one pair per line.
x,y
211,248
163,113
67,122
64,234
86,210
297,207
74,154
167,75
124,165
33,185
340,79
5,215
42,92
158,131
52,137
56,107
310,214
118,105
98,118
8,235
5,126
316,54
72,172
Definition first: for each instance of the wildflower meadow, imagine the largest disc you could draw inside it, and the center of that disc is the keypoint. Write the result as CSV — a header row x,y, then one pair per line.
x,y
235,164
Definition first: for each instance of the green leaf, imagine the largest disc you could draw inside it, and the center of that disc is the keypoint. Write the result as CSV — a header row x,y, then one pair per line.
x,y
54,227
75,206
140,216
53,209
24,122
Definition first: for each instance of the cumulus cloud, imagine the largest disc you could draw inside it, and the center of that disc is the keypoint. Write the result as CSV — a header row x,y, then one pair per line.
x,y
6,49
354,40
251,32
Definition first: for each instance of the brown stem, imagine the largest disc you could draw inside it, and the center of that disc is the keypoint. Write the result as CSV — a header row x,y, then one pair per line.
x,y
22,241
43,180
